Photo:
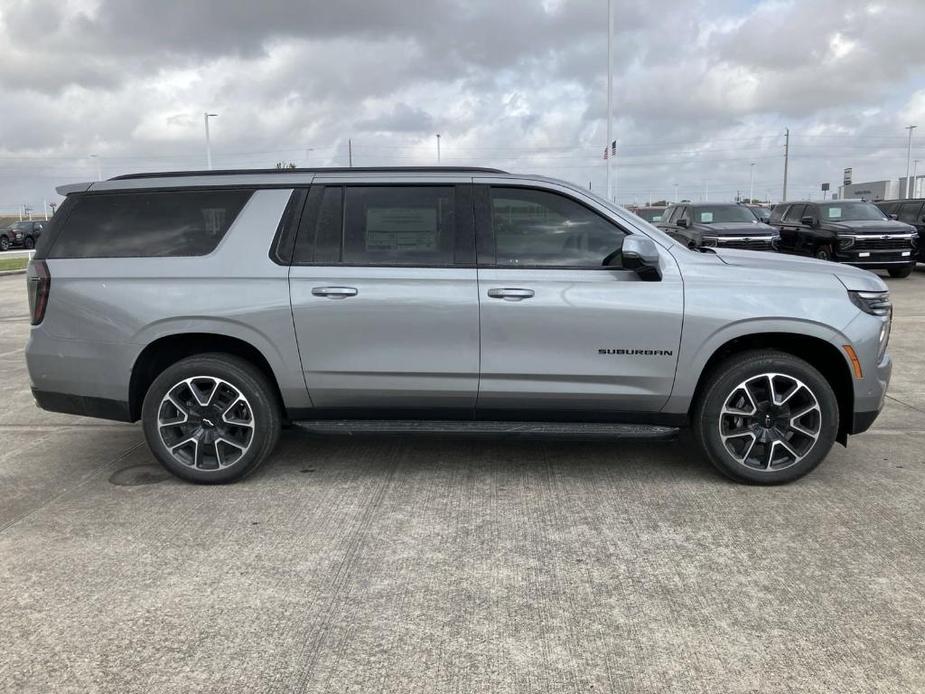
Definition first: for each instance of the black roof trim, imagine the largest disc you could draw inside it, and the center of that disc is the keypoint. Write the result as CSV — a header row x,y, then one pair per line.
x,y
322,170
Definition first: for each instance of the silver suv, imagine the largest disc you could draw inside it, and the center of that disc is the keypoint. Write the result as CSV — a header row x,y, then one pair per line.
x,y
216,306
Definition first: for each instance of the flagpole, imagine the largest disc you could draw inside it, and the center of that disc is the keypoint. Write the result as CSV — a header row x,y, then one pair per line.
x,y
609,91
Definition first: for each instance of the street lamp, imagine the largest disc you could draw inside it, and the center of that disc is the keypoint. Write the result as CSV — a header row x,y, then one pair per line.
x,y
910,128
308,153
438,148
751,182
206,117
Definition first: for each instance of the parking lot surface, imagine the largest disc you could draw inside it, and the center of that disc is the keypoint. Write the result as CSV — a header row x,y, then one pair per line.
x,y
453,564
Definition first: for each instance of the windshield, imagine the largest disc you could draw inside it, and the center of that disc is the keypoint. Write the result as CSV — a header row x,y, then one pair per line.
x,y
850,211
722,213
650,215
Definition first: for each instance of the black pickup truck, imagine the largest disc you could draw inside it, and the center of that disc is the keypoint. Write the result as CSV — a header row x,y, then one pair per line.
x,y
20,234
855,232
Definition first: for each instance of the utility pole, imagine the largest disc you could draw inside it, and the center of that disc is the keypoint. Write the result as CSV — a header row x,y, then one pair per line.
x,y
786,161
206,116
910,128
99,167
609,94
350,153
751,182
438,149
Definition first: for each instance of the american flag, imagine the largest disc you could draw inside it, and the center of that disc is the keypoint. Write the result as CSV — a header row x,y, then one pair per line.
x,y
610,151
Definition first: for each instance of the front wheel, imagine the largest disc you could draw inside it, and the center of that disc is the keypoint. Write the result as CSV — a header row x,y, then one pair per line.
x,y
900,272
28,243
4,243
823,253
211,418
766,417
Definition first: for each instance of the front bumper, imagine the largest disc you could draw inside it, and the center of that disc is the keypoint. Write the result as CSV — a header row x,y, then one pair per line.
x,y
877,250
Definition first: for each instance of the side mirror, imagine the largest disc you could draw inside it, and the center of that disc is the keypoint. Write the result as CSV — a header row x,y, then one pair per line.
x,y
682,223
641,256
807,220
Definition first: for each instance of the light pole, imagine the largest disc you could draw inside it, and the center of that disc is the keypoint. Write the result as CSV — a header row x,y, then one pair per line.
x,y
915,166
751,182
676,193
609,93
205,118
99,167
308,153
438,148
910,128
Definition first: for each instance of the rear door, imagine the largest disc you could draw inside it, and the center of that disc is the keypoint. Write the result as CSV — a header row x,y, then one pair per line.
x,y
384,298
563,335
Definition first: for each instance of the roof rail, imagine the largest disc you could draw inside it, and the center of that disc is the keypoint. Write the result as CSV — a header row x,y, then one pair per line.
x,y
320,170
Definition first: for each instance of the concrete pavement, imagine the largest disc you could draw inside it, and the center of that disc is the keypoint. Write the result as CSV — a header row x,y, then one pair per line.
x,y
452,564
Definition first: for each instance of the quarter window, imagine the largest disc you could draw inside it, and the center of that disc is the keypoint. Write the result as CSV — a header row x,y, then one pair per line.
x,y
147,225
534,228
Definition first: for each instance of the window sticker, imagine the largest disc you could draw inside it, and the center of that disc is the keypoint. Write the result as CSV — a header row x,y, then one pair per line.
x,y
706,217
834,213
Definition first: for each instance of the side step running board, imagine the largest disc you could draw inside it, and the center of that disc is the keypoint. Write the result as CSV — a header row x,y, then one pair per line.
x,y
411,426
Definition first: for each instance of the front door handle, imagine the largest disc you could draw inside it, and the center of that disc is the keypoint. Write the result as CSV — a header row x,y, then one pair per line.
x,y
334,292
510,294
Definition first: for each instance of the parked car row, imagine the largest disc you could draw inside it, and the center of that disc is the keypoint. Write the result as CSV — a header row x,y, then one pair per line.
x,y
855,232
20,235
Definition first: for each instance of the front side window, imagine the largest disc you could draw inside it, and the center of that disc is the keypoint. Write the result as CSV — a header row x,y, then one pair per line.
x,y
850,211
794,214
534,228
148,224
911,213
718,214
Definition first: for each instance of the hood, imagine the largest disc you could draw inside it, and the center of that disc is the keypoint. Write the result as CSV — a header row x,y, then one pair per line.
x,y
872,226
853,278
735,229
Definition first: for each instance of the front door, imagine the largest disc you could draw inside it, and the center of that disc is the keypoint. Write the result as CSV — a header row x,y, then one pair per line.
x,y
564,335
384,300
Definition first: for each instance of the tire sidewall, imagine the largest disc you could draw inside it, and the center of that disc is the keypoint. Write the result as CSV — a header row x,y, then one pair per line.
x,y
731,374
243,376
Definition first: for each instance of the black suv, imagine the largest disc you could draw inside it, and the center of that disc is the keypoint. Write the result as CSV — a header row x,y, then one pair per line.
x,y
717,225
909,212
23,234
856,232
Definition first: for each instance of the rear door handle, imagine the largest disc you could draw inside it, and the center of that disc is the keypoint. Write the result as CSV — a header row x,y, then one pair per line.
x,y
510,294
334,292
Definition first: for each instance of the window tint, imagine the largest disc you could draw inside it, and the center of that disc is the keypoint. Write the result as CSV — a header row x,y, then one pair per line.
x,y
400,225
138,225
911,213
794,214
535,228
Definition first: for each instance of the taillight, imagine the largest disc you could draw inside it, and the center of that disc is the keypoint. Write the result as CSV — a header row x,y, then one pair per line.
x,y
38,287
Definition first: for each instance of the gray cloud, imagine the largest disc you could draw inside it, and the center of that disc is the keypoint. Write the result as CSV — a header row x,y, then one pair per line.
x,y
702,88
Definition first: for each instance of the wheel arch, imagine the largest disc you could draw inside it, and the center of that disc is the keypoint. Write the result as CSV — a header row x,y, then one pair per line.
x,y
821,354
169,349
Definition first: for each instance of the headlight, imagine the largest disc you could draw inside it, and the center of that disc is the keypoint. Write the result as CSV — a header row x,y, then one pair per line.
x,y
775,241
874,303
710,241
846,242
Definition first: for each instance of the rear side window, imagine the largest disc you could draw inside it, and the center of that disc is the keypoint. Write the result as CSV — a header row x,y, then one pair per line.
x,y
148,224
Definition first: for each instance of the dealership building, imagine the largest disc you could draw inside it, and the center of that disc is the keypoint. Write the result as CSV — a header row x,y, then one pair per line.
x,y
883,190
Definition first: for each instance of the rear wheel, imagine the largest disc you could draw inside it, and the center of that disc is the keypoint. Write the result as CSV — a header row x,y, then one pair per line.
x,y
766,417
211,418
900,272
28,243
4,243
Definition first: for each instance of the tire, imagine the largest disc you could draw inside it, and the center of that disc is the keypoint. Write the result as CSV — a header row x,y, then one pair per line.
x,y
900,272
757,455
4,243
198,443
28,243
823,253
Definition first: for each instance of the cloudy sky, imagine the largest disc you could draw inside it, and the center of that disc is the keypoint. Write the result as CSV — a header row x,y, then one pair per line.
x,y
702,89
